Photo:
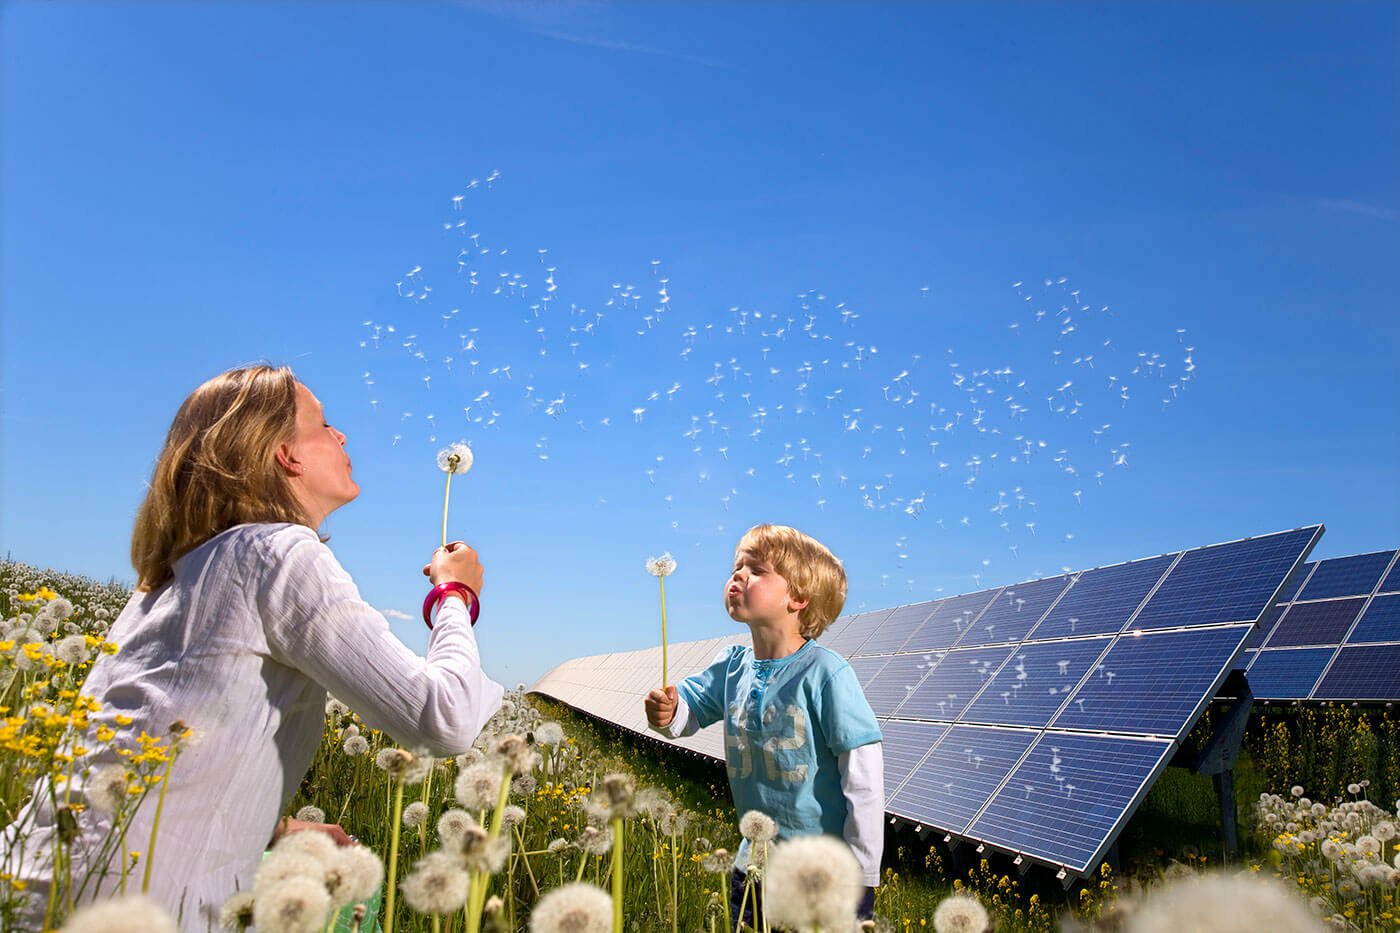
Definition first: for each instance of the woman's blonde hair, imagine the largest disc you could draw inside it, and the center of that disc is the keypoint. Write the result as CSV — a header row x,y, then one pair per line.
x,y
218,469
812,572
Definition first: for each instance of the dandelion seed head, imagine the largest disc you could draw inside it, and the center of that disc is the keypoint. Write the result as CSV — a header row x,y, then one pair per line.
x,y
719,862
73,650
455,458
1297,790
652,801
757,827
595,840
524,785
361,873
131,914
813,882
285,864
1353,789
107,788
479,785
557,846
662,566
438,884
316,845
355,746
619,791
1223,902
468,758
394,761
296,905
415,814
960,913
517,754
512,816
573,908
310,814
236,914
549,734
336,709
452,825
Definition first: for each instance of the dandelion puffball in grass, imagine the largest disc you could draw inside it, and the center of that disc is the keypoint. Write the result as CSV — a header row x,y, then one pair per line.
x,y
757,827
573,908
73,650
362,872
595,840
132,914
813,882
414,814
237,912
107,788
452,826
517,754
662,566
297,905
355,745
479,785
549,734
619,792
1223,902
436,885
960,913
310,814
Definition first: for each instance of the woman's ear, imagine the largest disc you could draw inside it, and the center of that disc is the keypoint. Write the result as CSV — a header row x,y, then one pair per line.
x,y
287,460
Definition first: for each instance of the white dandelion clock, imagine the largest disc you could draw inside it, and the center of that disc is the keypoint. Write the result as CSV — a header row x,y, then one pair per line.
x,y
573,908
133,914
362,872
549,734
1223,902
438,884
757,827
236,913
415,814
452,826
661,568
960,913
813,883
107,788
297,905
73,650
310,814
479,786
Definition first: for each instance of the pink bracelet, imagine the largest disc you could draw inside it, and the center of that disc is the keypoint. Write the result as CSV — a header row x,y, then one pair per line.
x,y
440,592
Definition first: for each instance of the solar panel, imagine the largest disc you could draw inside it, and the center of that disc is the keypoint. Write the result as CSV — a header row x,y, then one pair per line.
x,y
1347,576
1033,717
1065,798
960,775
1362,672
1035,682
1319,623
1297,581
1391,583
1101,601
953,617
1285,673
1232,582
1266,625
897,628
1014,612
1380,621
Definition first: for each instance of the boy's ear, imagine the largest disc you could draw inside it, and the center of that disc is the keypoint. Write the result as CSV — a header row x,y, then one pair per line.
x,y
797,605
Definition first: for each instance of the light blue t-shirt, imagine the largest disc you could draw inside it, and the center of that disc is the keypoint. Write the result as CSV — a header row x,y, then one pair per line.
x,y
786,722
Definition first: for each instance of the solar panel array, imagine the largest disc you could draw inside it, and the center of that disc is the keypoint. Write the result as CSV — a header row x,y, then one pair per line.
x,y
1031,718
1334,635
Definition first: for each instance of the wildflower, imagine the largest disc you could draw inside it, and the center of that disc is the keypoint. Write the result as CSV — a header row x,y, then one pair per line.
x,y
236,914
718,862
1353,789
451,825
107,788
1368,846
524,785
960,913
512,816
355,746
72,650
437,885
311,814
1223,902
414,814
296,905
133,914
558,846
394,761
549,734
309,843
651,801
1384,831
516,753
361,872
468,758
757,827
455,458
619,792
573,908
1297,791
662,566
335,709
1348,888
479,786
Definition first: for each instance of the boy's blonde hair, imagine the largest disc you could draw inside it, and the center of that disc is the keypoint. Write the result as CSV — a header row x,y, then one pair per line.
x,y
812,572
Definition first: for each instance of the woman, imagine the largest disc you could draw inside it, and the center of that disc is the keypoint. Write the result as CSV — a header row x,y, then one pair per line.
x,y
241,623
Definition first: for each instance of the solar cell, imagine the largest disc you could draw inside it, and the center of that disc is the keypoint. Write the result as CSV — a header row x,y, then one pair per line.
x,y
1064,801
901,623
866,669
858,630
897,680
1099,602
1287,673
1391,583
1347,576
1380,621
952,684
1266,625
1232,582
1296,582
905,745
959,776
1319,623
1154,683
1362,672
1014,612
1035,682
950,621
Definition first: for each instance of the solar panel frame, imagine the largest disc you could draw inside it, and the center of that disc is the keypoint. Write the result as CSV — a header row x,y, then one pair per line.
x,y
1390,583
898,626
905,745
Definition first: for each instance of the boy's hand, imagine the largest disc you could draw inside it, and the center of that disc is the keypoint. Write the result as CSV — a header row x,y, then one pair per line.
x,y
661,706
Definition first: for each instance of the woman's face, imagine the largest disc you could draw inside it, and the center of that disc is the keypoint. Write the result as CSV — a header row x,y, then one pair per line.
x,y
315,460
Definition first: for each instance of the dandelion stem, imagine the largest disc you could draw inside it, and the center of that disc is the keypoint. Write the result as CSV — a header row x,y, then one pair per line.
x,y
675,882
664,668
391,875
617,874
445,494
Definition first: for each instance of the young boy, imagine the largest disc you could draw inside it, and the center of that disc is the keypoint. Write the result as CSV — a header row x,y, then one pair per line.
x,y
800,741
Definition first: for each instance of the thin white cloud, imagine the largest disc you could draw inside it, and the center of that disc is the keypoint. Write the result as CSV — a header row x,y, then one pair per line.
x,y
1361,208
622,46
395,614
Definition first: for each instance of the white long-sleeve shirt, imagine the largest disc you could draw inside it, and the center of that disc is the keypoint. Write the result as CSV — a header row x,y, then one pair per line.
x,y
862,784
242,645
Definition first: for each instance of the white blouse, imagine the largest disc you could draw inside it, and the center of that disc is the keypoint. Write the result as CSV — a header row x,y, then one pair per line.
x,y
242,645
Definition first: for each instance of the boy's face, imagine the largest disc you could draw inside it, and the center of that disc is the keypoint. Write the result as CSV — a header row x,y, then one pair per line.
x,y
756,592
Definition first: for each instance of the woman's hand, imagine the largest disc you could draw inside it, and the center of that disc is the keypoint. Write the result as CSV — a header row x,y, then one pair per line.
x,y
288,825
456,562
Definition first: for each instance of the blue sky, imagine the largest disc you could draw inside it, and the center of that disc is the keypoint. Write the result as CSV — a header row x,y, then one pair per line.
x,y
788,233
